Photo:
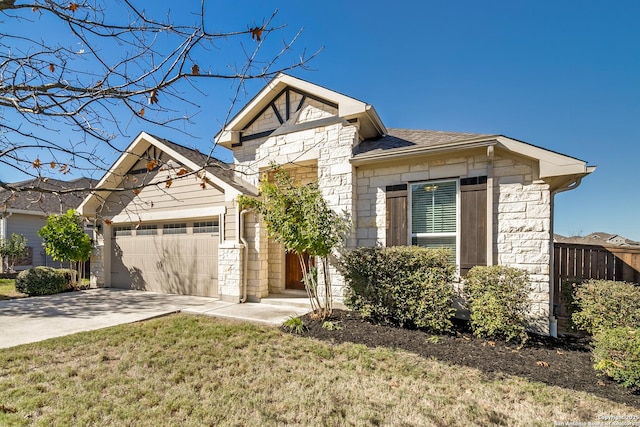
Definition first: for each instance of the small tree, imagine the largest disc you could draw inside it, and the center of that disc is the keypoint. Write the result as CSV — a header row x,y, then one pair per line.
x,y
65,240
298,216
12,248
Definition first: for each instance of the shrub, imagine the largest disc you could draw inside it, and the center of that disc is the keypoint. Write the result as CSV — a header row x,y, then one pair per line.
x,y
294,324
402,286
497,298
568,290
617,353
41,281
604,304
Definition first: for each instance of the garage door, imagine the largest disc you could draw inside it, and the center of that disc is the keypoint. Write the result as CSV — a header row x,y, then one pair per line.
x,y
175,258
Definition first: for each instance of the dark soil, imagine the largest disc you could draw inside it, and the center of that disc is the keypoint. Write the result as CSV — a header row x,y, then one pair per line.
x,y
564,362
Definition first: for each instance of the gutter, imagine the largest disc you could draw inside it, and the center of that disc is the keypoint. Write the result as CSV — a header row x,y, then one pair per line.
x,y
411,152
570,185
245,258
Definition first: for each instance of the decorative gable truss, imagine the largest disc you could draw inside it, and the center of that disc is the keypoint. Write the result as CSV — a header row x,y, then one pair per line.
x,y
290,105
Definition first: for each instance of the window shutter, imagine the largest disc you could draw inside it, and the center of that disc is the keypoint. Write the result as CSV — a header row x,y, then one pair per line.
x,y
473,223
396,221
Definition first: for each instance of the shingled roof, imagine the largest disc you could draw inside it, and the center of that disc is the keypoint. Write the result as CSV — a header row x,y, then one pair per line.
x,y
398,140
28,198
220,169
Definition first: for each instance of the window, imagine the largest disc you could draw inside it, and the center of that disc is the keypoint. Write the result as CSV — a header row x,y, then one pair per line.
x,y
434,214
205,227
124,230
180,228
147,230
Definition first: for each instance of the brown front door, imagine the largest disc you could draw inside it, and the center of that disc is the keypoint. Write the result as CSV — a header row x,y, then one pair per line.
x,y
293,275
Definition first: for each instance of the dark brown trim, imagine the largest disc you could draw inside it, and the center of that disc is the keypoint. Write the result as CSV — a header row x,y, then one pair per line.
x,y
254,136
287,99
277,113
304,98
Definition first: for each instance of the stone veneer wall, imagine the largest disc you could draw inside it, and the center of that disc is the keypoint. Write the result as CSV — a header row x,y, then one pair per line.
x,y
523,228
96,277
329,147
522,209
230,255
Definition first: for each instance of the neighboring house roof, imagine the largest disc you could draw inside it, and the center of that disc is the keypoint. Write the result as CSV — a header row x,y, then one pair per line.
x,y
53,200
217,172
598,238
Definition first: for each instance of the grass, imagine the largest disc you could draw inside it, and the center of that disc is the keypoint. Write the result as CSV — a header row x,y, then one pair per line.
x,y
8,290
192,371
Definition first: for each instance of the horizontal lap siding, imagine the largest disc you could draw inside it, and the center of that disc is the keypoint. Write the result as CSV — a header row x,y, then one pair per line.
x,y
28,226
184,193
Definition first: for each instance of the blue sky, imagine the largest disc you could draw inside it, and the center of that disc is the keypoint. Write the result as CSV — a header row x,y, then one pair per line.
x,y
563,75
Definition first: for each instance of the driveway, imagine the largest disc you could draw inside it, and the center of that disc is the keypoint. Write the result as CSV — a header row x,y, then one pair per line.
x,y
38,318
34,319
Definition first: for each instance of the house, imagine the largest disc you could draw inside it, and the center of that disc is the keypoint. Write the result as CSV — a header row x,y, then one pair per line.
x,y
25,212
487,197
598,239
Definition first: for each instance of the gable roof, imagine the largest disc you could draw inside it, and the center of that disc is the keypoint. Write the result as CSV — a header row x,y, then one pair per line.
x,y
58,196
349,108
401,140
402,143
219,173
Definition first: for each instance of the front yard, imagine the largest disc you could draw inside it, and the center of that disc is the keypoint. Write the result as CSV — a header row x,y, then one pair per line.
x,y
191,370
8,290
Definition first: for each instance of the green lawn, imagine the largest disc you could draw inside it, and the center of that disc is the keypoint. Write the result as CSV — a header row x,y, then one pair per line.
x,y
8,290
191,371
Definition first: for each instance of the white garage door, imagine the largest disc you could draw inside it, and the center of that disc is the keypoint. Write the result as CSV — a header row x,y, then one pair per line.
x,y
175,258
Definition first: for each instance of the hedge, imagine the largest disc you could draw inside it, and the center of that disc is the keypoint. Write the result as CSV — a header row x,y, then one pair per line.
x,y
41,281
402,286
498,301
605,304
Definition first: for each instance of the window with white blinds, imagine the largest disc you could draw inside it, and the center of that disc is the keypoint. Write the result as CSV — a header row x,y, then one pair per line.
x,y
434,214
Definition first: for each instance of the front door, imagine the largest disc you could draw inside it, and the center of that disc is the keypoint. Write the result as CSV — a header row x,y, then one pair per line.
x,y
293,275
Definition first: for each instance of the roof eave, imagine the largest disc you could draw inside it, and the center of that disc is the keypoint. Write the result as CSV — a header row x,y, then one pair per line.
x,y
387,156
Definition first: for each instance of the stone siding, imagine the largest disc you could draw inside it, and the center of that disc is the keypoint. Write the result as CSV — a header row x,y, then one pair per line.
x,y
230,255
321,154
522,211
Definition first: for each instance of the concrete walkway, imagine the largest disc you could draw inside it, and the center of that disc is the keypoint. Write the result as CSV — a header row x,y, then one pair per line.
x,y
34,319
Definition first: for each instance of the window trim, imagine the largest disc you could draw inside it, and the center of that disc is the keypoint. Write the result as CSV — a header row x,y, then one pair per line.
x,y
410,234
215,223
118,228
176,227
146,227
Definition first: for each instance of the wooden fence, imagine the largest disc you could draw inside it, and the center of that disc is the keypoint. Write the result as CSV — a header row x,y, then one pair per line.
x,y
573,261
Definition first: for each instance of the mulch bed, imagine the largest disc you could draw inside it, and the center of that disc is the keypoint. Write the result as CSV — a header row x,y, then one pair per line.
x,y
563,362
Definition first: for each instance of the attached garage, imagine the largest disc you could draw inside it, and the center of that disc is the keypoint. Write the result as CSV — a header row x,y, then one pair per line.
x,y
162,214
175,258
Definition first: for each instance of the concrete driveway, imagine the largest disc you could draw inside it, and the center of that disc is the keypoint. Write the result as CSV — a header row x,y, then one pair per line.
x,y
34,319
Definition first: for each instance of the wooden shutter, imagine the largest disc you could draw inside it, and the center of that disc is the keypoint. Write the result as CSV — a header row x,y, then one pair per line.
x,y
396,222
473,223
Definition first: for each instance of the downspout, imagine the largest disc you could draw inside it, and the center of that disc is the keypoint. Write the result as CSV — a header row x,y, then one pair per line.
x,y
245,258
489,243
553,321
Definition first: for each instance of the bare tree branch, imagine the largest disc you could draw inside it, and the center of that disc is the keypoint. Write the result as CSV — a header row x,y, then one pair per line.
x,y
73,66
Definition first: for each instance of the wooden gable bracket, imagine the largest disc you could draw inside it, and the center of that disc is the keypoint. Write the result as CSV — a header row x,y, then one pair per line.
x,y
287,113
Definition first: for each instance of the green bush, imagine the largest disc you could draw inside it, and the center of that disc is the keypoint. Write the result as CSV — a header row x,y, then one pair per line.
x,y
617,353
497,299
41,281
402,286
568,290
604,304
